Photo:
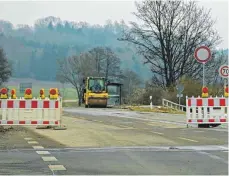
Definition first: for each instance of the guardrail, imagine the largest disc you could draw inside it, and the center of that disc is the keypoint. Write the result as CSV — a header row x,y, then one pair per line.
x,y
172,105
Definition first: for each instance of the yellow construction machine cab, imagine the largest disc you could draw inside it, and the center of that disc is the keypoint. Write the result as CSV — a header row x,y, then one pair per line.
x,y
95,92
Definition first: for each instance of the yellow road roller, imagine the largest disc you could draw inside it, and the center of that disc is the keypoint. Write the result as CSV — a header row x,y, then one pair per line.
x,y
95,92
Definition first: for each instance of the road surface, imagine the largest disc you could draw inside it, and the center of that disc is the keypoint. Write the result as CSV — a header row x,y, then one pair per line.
x,y
182,151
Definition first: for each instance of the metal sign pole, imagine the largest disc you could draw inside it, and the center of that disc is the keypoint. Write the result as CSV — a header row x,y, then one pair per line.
x,y
151,103
225,82
203,75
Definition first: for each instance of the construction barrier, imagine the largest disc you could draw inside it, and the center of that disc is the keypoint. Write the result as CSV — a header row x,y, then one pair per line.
x,y
30,111
207,110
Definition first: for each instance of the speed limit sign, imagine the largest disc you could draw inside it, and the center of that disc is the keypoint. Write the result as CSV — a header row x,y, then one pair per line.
x,y
224,71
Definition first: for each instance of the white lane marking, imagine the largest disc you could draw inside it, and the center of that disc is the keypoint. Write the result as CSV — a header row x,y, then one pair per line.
x,y
38,147
186,139
49,158
32,142
225,151
27,139
213,156
222,147
157,133
43,152
56,167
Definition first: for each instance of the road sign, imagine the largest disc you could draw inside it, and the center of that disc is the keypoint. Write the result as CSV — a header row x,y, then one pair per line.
x,y
23,86
179,95
180,88
224,71
202,54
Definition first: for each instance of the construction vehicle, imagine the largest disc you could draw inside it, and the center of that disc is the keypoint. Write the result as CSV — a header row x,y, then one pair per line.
x,y
95,92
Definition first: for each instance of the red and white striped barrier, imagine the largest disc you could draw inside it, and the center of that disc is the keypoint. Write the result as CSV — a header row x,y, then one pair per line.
x,y
30,112
207,110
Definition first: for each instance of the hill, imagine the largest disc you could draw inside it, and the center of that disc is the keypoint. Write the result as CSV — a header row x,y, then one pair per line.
x,y
33,51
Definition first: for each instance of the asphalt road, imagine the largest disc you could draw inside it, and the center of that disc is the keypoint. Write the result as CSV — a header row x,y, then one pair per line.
x,y
198,151
169,126
115,161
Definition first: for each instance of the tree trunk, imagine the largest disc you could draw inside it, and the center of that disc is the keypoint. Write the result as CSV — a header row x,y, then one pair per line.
x,y
79,96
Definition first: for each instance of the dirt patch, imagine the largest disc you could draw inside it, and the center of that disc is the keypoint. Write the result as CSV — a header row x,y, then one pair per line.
x,y
13,138
83,133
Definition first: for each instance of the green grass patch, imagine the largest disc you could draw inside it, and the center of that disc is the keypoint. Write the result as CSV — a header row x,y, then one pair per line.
x,y
66,93
70,104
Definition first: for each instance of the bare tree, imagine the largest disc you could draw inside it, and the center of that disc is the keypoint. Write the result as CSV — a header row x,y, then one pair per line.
x,y
73,70
96,62
107,63
168,36
5,68
212,73
131,81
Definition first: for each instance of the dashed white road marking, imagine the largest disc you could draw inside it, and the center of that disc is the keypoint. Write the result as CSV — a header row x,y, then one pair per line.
x,y
32,142
49,158
45,158
213,156
198,131
186,139
157,132
222,147
43,152
38,147
56,167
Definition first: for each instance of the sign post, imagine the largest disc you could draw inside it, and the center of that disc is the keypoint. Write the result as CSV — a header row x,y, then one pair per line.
x,y
23,86
151,103
180,89
202,54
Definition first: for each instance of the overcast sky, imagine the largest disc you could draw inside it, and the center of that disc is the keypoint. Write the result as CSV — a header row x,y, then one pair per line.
x,y
96,12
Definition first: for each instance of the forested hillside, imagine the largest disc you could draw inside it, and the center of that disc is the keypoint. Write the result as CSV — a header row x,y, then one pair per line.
x,y
34,51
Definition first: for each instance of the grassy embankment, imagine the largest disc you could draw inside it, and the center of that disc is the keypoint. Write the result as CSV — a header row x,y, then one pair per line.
x,y
66,91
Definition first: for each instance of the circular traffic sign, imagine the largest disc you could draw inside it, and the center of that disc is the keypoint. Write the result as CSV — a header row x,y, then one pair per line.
x,y
202,54
224,71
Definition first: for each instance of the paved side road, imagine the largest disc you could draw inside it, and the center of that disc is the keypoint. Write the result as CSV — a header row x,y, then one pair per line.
x,y
115,161
127,114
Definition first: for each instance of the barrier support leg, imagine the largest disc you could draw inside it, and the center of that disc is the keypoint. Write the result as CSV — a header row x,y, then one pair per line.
x,y
60,127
